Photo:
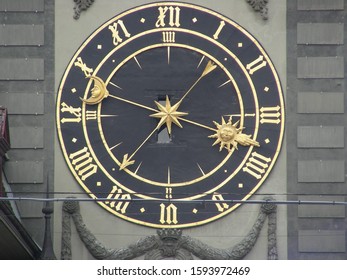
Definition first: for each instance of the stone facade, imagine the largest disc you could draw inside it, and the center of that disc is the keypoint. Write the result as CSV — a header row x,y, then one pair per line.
x,y
306,41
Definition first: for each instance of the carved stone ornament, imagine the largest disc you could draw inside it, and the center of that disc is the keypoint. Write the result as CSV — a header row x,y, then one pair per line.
x,y
260,6
81,5
168,243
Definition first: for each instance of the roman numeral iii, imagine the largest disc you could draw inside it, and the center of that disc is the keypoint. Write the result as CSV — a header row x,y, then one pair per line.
x,y
270,115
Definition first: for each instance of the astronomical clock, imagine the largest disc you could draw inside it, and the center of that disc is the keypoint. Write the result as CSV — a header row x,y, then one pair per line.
x,y
170,115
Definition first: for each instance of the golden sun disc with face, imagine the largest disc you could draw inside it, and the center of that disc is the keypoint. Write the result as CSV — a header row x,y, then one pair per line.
x,y
228,136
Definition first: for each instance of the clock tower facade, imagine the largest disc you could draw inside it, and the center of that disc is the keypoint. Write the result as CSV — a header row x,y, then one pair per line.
x,y
231,148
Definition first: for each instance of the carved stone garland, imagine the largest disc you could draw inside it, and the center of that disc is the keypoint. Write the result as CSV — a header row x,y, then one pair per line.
x,y
168,243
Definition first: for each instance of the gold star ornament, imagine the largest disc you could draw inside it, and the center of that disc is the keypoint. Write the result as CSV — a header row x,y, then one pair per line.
x,y
168,114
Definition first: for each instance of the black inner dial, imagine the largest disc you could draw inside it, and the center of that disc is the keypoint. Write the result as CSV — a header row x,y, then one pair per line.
x,y
164,156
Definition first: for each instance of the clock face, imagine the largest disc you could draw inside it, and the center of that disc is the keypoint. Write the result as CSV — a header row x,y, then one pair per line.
x,y
170,114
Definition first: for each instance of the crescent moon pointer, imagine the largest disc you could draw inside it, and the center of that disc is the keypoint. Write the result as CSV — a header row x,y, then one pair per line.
x,y
99,91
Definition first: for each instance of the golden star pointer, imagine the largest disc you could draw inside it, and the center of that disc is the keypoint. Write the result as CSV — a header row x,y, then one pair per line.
x,y
168,114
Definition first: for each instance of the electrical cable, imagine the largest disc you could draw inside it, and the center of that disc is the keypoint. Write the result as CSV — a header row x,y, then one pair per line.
x,y
250,201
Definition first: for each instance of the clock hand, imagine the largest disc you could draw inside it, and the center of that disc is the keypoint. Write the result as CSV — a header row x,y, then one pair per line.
x,y
127,160
210,66
197,124
226,134
99,92
133,103
169,112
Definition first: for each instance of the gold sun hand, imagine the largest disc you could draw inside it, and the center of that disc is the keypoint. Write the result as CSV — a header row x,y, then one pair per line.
x,y
197,124
229,135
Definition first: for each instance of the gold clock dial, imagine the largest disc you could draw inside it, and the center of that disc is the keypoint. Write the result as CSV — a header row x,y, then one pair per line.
x,y
168,113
